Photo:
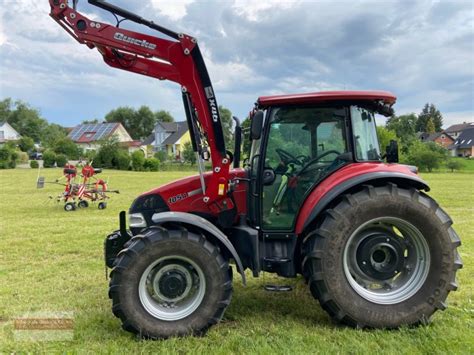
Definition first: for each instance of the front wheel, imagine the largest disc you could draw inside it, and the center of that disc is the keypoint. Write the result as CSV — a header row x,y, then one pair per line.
x,y
383,257
170,283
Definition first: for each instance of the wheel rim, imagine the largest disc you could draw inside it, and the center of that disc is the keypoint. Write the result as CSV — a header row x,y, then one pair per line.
x,y
172,288
386,260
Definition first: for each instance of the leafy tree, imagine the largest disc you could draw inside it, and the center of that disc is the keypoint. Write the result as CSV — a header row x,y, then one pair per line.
x,y
65,146
385,136
94,121
454,164
151,164
138,123
122,160
226,121
246,143
427,156
125,116
8,157
430,128
404,126
138,160
429,112
163,116
61,160
53,133
161,156
34,164
24,119
49,158
109,148
188,154
26,144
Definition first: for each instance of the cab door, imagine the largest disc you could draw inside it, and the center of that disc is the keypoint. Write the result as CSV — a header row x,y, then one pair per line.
x,y
300,146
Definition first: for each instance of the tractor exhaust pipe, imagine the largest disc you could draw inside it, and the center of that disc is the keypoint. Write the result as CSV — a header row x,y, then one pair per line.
x,y
238,142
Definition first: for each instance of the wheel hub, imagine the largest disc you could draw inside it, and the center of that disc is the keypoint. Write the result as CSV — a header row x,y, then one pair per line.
x,y
172,284
380,255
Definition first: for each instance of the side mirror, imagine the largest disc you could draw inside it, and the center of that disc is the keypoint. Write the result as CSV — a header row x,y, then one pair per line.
x,y
391,152
268,176
257,125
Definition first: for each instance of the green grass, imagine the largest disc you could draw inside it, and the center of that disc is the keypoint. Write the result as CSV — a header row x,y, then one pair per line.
x,y
467,164
51,260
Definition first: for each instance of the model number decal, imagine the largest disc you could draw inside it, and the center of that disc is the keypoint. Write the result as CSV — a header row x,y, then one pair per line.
x,y
184,195
177,198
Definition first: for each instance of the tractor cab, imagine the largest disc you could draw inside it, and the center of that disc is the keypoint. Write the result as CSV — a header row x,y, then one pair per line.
x,y
300,140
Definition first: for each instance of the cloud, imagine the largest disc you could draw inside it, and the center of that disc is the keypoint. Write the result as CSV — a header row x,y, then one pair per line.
x,y
175,10
421,50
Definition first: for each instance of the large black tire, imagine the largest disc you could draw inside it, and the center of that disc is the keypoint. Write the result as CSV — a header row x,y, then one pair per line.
x,y
333,262
132,305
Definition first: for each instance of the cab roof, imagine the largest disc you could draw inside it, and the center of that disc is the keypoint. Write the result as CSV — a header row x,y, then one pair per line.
x,y
326,96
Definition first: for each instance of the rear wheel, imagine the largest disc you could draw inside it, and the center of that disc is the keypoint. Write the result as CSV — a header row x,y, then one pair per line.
x,y
102,205
170,283
383,257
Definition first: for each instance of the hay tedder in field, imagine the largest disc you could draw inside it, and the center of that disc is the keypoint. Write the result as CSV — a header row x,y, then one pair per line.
x,y
80,191
316,198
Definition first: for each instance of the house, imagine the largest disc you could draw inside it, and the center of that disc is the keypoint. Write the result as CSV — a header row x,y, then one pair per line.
x,y
88,136
464,144
8,133
169,137
455,130
441,138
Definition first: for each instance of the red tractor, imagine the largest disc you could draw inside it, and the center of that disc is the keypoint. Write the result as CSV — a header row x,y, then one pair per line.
x,y
315,198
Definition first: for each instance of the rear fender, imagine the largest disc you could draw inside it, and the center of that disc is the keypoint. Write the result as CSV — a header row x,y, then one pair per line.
x,y
318,201
210,230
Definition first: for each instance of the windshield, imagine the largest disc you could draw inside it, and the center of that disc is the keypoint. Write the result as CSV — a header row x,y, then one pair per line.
x,y
365,134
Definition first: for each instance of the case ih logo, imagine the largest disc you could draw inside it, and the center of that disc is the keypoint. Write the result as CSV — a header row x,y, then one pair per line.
x,y
142,43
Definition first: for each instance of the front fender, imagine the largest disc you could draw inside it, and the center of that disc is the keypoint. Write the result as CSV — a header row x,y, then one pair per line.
x,y
203,224
348,178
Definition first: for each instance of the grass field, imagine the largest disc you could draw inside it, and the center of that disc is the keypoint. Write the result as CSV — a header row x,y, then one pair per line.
x,y
51,260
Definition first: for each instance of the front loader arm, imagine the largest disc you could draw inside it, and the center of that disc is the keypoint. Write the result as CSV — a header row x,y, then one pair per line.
x,y
178,60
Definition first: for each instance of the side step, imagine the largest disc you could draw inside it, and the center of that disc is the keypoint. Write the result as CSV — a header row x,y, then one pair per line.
x,y
278,288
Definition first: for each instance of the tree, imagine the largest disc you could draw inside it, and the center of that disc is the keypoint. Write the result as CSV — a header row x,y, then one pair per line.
x,y
53,133
123,115
107,153
385,136
453,164
426,156
122,160
163,116
429,112
138,160
49,159
94,121
138,123
24,119
188,154
65,146
404,126
26,144
246,142
226,121
8,157
430,128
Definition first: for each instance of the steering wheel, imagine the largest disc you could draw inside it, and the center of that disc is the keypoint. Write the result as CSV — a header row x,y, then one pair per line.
x,y
316,159
287,157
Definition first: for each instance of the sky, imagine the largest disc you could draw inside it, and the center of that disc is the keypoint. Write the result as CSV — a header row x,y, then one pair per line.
x,y
422,51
